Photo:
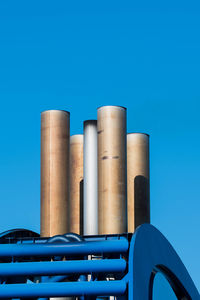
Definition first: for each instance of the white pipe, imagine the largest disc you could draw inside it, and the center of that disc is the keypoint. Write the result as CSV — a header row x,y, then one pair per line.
x,y
90,179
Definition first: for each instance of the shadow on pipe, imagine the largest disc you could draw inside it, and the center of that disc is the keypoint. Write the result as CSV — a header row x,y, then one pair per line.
x,y
142,200
81,207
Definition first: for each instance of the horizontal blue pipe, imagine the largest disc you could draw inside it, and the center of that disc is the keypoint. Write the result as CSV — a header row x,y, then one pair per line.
x,y
63,289
58,278
62,267
76,248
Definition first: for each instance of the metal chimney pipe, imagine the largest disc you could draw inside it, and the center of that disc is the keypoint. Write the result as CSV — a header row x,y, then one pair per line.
x,y
90,190
138,180
112,187
75,210
55,127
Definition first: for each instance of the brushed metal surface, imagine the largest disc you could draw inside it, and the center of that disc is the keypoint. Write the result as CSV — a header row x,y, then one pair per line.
x,y
112,187
138,180
75,210
55,127
90,207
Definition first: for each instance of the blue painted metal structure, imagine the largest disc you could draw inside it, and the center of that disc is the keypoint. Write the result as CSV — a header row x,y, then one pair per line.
x,y
126,266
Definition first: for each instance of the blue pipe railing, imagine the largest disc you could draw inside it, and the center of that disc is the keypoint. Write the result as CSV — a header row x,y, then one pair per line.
x,y
63,289
123,268
63,267
64,249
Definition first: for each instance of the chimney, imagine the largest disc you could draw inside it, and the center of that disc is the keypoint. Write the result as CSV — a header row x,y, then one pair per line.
x,y
75,210
90,190
138,180
55,128
112,170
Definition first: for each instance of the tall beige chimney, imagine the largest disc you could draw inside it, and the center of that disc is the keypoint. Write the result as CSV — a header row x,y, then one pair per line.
x,y
138,180
112,186
55,131
75,210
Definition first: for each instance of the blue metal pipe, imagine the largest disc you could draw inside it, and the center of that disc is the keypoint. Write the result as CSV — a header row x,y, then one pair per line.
x,y
63,289
58,278
76,248
82,278
62,267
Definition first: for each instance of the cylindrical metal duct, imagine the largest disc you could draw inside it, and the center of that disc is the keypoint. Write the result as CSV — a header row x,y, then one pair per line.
x,y
55,128
112,187
90,207
75,210
138,180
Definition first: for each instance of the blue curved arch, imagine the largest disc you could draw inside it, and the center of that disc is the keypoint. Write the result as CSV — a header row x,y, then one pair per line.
x,y
13,234
149,253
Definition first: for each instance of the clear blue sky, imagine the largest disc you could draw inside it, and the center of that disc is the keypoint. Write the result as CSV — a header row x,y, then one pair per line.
x,y
78,55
